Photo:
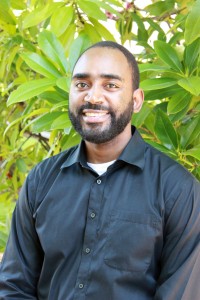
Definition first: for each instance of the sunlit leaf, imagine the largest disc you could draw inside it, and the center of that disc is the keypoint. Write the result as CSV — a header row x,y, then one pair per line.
x,y
65,16
192,24
165,131
194,152
52,47
157,83
178,102
30,89
168,54
191,84
91,9
40,64
191,132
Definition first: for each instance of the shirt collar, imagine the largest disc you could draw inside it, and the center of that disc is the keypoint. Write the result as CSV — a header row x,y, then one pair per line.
x,y
132,154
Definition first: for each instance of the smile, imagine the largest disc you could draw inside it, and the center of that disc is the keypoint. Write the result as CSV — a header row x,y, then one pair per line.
x,y
95,116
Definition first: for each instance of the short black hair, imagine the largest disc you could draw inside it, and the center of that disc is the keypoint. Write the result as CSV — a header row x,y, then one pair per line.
x,y
129,56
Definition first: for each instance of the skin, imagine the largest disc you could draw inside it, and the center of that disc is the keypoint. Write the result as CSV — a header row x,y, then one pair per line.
x,y
103,76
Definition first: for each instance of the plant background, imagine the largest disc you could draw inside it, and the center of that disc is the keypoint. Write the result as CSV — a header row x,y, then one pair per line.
x,y
39,42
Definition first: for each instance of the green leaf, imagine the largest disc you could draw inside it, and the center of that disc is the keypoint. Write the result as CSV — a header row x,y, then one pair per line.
x,y
165,131
52,47
52,97
160,7
157,83
138,119
65,16
64,83
21,165
7,16
152,67
43,123
168,55
191,132
39,14
192,24
106,7
91,10
162,93
103,31
40,64
191,84
81,43
61,122
29,90
194,152
178,102
93,35
191,55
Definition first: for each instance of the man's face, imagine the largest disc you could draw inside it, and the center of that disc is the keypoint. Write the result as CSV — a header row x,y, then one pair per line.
x,y
101,95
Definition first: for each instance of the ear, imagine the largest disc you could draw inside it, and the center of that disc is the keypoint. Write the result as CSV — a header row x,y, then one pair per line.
x,y
138,98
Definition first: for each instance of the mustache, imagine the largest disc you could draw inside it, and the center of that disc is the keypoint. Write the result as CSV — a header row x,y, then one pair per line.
x,y
92,106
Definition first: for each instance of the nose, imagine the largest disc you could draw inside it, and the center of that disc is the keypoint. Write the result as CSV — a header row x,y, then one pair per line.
x,y
94,96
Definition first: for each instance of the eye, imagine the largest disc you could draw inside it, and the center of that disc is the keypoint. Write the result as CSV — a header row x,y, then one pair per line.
x,y
81,85
111,86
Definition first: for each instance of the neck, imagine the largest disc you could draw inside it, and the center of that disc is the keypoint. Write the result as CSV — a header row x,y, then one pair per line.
x,y
105,152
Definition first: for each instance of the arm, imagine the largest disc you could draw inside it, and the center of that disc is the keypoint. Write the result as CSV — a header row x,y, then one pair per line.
x,y
22,261
180,262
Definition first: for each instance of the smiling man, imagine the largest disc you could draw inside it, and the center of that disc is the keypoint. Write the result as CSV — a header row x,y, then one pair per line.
x,y
109,219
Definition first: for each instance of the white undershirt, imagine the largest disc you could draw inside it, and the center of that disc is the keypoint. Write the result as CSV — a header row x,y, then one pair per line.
x,y
100,168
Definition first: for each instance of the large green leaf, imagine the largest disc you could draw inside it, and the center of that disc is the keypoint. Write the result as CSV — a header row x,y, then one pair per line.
x,y
61,122
44,122
103,31
152,67
191,55
165,131
78,46
91,9
192,24
191,84
39,14
53,97
157,83
65,16
52,47
178,102
191,132
194,152
168,55
92,33
30,89
162,93
138,119
107,7
40,64
160,7
64,83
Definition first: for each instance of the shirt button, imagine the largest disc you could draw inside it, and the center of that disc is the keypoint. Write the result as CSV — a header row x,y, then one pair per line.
x,y
87,250
98,181
92,215
80,285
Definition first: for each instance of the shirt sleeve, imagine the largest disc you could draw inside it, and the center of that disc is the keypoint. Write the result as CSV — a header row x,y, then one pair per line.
x,y
22,260
180,261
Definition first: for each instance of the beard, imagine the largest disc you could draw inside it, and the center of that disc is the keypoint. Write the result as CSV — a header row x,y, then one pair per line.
x,y
98,134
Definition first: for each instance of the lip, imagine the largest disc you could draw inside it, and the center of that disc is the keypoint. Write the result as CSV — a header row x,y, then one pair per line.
x,y
95,116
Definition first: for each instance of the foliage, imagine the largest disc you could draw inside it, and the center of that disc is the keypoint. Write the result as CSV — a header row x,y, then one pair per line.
x,y
40,41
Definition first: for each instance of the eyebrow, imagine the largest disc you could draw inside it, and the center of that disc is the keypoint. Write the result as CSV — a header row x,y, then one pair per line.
x,y
87,75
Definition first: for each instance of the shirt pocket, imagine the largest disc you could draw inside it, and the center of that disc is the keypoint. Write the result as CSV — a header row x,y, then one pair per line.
x,y
131,241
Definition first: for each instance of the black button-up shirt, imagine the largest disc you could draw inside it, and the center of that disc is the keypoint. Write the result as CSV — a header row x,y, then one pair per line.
x,y
130,234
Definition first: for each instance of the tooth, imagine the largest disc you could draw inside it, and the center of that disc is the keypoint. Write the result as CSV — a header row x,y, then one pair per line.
x,y
94,114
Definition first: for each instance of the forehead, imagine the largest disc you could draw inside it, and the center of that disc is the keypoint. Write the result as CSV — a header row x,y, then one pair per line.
x,y
102,60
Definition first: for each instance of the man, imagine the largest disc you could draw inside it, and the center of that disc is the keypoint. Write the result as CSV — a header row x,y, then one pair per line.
x,y
109,219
